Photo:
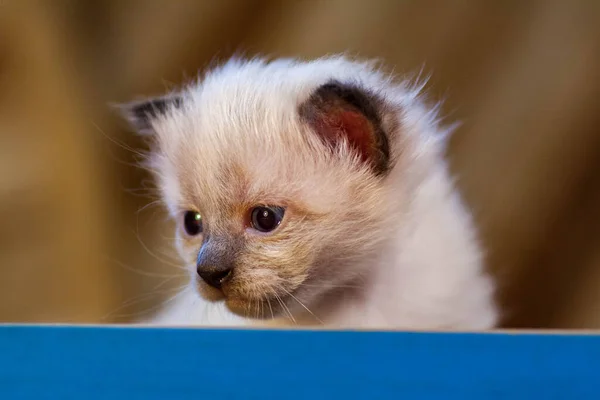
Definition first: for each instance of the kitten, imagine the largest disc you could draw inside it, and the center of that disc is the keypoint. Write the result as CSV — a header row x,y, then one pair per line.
x,y
313,193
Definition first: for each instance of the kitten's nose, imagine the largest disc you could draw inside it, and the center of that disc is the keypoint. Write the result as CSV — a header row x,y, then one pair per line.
x,y
214,276
215,261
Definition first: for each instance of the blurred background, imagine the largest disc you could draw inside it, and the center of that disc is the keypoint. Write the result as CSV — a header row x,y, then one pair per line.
x,y
83,240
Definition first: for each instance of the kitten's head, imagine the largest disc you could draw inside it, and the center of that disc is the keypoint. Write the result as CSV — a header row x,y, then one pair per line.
x,y
276,175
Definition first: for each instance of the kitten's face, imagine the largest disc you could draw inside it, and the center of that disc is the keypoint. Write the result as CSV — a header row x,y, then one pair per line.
x,y
278,200
280,226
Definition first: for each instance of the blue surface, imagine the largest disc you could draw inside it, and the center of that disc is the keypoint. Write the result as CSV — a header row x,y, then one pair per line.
x,y
40,362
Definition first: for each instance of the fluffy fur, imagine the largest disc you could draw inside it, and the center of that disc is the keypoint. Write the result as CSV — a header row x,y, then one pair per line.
x,y
368,239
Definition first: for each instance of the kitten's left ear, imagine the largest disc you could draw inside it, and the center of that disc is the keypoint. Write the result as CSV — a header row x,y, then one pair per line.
x,y
345,114
140,114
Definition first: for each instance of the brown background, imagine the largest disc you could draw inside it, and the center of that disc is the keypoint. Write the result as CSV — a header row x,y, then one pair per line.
x,y
522,76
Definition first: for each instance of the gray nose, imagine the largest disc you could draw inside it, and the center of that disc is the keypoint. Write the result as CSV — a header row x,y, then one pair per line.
x,y
214,263
214,276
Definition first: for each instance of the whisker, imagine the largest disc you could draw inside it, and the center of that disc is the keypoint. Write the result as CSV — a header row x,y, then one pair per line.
x,y
279,301
270,308
302,304
326,286
139,299
169,256
120,144
149,205
169,238
287,310
141,272
247,311
142,192
151,309
165,281
151,253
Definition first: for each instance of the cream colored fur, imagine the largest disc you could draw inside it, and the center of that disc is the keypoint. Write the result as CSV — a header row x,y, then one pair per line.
x,y
404,246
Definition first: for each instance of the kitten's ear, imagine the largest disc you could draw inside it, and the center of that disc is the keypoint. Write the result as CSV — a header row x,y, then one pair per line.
x,y
141,113
339,112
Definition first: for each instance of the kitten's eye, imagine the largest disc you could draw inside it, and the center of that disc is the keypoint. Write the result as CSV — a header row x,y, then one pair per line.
x,y
192,223
266,219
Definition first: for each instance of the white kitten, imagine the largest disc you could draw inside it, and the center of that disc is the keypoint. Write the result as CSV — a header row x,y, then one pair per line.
x,y
313,193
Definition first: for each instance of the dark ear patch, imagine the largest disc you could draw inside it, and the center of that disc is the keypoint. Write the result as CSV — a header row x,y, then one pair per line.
x,y
140,114
338,112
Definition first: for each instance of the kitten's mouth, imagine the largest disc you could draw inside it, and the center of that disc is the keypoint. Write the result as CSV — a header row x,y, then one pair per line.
x,y
265,307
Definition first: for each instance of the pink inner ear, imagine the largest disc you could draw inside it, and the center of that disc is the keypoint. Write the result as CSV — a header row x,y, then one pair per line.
x,y
351,125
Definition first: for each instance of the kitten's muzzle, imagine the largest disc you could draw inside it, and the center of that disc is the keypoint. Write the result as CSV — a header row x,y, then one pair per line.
x,y
215,263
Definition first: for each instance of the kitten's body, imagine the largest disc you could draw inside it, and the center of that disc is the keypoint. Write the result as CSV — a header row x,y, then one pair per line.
x,y
391,244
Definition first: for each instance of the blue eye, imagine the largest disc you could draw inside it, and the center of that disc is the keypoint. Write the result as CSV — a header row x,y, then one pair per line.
x,y
192,223
266,219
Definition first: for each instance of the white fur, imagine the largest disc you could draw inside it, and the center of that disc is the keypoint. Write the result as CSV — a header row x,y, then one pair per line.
x,y
428,273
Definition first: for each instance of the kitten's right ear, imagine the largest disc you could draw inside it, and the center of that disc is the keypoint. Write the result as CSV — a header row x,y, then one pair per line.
x,y
140,114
